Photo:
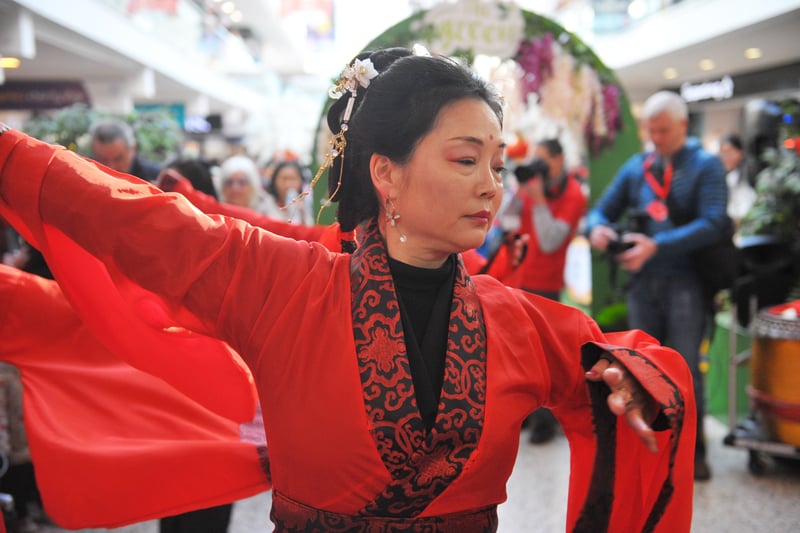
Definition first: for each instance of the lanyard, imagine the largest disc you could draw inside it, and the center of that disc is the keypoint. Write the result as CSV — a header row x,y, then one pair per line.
x,y
661,190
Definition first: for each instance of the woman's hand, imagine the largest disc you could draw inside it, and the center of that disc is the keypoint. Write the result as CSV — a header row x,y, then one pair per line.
x,y
628,398
168,179
518,244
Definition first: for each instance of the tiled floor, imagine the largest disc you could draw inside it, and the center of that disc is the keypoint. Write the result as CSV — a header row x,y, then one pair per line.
x,y
734,501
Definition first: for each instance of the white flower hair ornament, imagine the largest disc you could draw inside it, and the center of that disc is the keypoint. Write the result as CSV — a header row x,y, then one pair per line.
x,y
359,74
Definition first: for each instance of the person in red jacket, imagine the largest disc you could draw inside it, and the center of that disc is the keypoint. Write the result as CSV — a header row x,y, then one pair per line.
x,y
549,205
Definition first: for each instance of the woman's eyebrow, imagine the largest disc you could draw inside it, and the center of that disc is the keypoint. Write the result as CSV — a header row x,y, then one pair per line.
x,y
474,140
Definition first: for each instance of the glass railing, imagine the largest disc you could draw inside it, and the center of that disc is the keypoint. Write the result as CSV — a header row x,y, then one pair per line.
x,y
188,27
588,18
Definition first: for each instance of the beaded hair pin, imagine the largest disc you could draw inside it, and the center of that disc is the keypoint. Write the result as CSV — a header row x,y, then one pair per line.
x,y
353,76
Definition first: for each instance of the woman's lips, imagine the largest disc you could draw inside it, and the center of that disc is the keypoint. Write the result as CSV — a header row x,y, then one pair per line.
x,y
481,216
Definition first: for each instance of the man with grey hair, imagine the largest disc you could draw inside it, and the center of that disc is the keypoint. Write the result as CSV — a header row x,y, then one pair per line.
x,y
114,145
678,195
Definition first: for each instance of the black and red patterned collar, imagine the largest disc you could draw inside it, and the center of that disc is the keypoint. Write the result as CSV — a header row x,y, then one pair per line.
x,y
422,464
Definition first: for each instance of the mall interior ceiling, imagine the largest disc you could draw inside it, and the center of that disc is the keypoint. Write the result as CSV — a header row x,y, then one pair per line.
x,y
676,42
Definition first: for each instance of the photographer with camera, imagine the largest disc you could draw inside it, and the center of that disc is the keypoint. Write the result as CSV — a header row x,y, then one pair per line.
x,y
677,181
549,205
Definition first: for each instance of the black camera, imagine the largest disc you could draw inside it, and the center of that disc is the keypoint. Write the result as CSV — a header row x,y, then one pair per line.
x,y
618,246
634,222
537,168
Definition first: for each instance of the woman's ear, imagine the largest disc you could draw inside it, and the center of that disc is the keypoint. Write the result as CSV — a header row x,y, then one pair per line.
x,y
384,177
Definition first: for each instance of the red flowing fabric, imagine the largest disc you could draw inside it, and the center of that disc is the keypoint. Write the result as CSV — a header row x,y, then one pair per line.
x,y
99,430
329,236
131,321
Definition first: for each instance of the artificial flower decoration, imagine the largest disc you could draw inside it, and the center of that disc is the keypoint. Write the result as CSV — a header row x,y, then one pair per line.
x,y
359,73
518,149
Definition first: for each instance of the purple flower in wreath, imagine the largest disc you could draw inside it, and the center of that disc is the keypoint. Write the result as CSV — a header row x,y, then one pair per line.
x,y
535,57
611,116
611,96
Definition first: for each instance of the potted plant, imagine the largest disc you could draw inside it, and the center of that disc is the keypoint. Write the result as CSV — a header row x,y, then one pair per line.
x,y
776,210
158,135
774,218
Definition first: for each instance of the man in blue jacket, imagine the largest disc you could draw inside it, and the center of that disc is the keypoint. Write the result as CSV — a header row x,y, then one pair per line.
x,y
678,194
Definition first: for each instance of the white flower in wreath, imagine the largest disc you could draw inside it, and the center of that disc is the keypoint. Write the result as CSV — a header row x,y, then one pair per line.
x,y
557,92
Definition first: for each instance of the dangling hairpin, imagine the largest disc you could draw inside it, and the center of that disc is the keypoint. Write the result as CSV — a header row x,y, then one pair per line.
x,y
358,74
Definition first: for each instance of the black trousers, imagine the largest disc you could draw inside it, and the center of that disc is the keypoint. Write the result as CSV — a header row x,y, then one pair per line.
x,y
20,482
210,520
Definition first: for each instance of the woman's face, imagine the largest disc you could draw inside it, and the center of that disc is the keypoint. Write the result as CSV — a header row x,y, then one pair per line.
x,y
237,189
730,156
288,179
450,190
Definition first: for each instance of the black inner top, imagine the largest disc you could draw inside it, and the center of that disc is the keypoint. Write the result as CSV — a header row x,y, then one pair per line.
x,y
424,295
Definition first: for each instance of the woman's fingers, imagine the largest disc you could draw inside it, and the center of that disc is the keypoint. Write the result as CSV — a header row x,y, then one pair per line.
x,y
645,432
596,372
627,398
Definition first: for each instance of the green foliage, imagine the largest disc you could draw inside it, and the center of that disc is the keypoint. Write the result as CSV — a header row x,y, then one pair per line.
x,y
67,127
776,210
404,33
157,134
613,317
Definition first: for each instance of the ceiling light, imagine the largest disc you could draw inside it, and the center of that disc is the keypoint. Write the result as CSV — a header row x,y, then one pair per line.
x,y
706,64
752,53
236,16
9,62
228,7
670,73
637,9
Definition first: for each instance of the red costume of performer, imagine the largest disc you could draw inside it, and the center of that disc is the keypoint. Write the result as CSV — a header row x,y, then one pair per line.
x,y
102,431
322,335
329,236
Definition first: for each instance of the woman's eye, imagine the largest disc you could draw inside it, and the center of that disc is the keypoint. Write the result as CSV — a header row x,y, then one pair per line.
x,y
466,161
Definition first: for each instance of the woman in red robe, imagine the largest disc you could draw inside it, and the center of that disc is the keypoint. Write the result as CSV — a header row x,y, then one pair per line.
x,y
393,384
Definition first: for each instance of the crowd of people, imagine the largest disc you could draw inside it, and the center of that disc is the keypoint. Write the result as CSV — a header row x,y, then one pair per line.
x,y
237,180
394,367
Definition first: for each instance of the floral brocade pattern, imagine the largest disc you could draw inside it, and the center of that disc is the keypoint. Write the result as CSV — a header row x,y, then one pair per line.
x,y
296,517
422,464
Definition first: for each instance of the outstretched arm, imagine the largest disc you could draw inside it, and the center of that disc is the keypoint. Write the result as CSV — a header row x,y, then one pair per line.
x,y
170,181
134,259
159,241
